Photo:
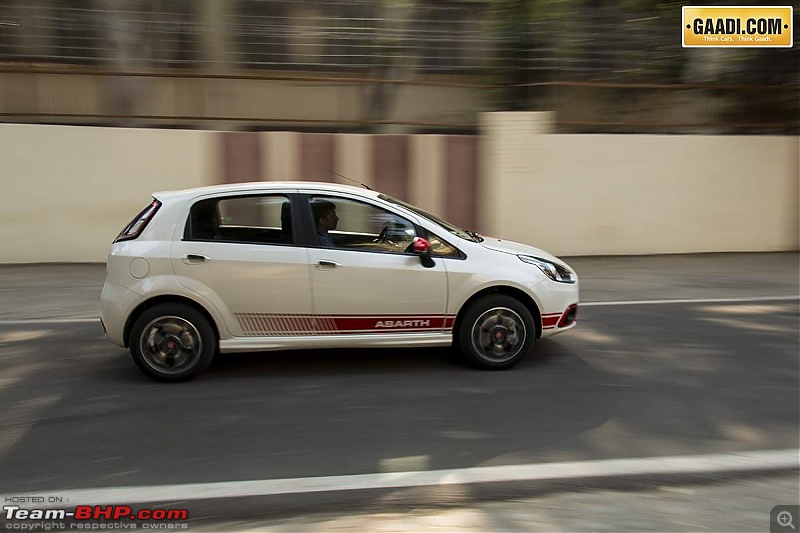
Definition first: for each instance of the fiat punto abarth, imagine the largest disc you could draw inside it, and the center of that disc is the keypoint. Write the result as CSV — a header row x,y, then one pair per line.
x,y
299,265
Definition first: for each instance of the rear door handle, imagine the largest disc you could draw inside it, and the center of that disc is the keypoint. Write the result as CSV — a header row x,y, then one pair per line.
x,y
193,259
324,264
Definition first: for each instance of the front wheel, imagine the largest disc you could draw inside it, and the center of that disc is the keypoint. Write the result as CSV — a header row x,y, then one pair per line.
x,y
172,342
496,332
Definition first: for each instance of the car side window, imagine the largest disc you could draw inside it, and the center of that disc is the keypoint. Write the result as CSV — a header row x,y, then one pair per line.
x,y
440,247
262,219
353,225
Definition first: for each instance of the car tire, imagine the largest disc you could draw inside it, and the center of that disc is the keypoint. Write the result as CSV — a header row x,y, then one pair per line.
x,y
496,332
172,342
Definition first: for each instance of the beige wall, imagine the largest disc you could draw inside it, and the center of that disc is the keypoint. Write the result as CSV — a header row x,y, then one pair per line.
x,y
426,186
67,191
280,161
637,194
352,159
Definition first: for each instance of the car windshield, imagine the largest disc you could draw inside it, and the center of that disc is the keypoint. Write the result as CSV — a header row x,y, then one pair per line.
x,y
455,230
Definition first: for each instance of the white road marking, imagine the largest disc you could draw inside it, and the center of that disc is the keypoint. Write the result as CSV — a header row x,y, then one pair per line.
x,y
762,460
693,301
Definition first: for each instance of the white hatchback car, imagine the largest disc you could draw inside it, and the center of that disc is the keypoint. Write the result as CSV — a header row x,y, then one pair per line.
x,y
297,265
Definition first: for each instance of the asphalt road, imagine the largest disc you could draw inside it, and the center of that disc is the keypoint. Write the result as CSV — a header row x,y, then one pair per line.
x,y
734,505
631,380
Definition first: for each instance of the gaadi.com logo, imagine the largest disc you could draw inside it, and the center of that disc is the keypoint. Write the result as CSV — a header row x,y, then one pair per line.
x,y
737,27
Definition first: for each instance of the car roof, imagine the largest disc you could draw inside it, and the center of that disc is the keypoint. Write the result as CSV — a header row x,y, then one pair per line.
x,y
261,186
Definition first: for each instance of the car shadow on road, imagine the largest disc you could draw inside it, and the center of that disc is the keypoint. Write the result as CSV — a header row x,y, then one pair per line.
x,y
362,361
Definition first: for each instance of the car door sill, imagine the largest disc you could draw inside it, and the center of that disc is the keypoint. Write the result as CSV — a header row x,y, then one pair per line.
x,y
381,340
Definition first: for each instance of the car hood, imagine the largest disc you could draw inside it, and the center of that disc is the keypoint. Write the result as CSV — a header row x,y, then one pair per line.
x,y
510,247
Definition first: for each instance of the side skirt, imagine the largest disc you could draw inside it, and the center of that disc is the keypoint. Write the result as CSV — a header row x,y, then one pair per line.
x,y
375,340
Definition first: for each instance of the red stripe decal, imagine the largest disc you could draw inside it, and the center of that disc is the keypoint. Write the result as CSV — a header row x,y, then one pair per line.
x,y
550,321
258,324
346,324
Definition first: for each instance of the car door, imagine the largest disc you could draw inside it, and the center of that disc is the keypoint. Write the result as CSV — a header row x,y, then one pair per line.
x,y
365,280
239,253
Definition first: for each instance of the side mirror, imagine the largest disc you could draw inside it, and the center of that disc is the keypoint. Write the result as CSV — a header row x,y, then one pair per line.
x,y
422,248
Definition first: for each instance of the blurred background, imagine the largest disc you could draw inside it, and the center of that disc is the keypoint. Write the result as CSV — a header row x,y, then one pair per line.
x,y
578,126
470,109
384,66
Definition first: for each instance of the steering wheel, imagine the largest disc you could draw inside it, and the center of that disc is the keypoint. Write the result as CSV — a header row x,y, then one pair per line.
x,y
383,237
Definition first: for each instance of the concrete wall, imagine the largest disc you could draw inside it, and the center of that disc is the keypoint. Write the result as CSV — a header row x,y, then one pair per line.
x,y
637,194
68,191
436,172
188,101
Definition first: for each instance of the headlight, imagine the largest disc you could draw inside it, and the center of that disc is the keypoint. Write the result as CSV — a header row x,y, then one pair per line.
x,y
552,270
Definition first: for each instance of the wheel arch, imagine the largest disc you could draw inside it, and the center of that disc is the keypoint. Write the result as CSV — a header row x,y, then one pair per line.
x,y
163,299
518,294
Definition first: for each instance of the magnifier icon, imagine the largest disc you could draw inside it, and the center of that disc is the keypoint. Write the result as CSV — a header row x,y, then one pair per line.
x,y
785,519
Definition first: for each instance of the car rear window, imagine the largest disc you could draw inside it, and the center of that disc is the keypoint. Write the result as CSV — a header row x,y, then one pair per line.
x,y
250,219
139,222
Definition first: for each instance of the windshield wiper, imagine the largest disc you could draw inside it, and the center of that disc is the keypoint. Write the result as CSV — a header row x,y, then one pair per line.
x,y
474,234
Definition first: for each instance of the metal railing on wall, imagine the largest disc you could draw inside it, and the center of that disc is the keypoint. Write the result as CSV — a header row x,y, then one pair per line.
x,y
579,106
600,69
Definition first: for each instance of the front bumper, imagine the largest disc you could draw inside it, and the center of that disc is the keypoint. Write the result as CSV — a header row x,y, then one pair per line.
x,y
558,303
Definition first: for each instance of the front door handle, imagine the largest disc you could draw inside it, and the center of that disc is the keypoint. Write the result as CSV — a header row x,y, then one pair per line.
x,y
324,264
193,259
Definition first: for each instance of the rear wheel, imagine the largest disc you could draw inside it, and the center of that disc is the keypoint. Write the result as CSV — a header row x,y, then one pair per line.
x,y
496,332
172,342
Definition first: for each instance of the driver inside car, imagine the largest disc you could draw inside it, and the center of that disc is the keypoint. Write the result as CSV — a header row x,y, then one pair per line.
x,y
326,220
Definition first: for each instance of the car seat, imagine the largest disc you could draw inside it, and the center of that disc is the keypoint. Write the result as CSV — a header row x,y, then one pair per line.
x,y
205,221
286,223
